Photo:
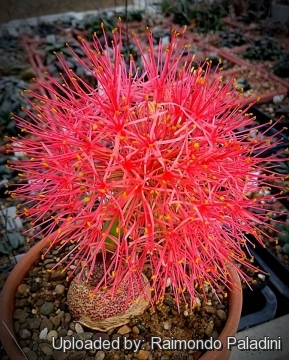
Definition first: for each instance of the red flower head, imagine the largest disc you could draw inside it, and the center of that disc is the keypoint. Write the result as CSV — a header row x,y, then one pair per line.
x,y
150,167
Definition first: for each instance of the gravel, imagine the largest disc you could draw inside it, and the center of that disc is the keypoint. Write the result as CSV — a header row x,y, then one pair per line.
x,y
42,314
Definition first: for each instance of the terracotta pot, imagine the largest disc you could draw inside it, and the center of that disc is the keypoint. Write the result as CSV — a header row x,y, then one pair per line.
x,y
7,300
3,150
236,23
263,75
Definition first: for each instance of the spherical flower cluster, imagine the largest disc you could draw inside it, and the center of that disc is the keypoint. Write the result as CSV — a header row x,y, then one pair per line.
x,y
150,168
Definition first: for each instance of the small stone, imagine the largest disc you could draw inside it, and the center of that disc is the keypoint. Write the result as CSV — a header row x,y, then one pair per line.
x,y
77,355
22,321
46,349
146,346
49,266
16,326
20,314
100,355
278,98
142,355
197,302
23,288
47,308
262,277
24,334
209,309
78,328
278,249
135,330
52,334
21,303
69,332
67,317
124,330
166,325
25,349
34,287
62,333
55,321
48,261
285,249
186,313
59,289
32,355
34,323
210,327
32,273
168,300
39,302
56,304
221,315
64,307
220,306
104,336
46,323
35,337
167,353
59,355
83,336
58,275
60,314
43,334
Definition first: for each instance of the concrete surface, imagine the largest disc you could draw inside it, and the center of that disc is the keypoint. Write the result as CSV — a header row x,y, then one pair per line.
x,y
273,329
23,9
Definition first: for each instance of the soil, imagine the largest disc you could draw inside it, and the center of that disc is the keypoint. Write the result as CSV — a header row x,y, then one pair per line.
x,y
277,246
258,276
41,287
274,110
279,214
265,64
259,85
277,250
